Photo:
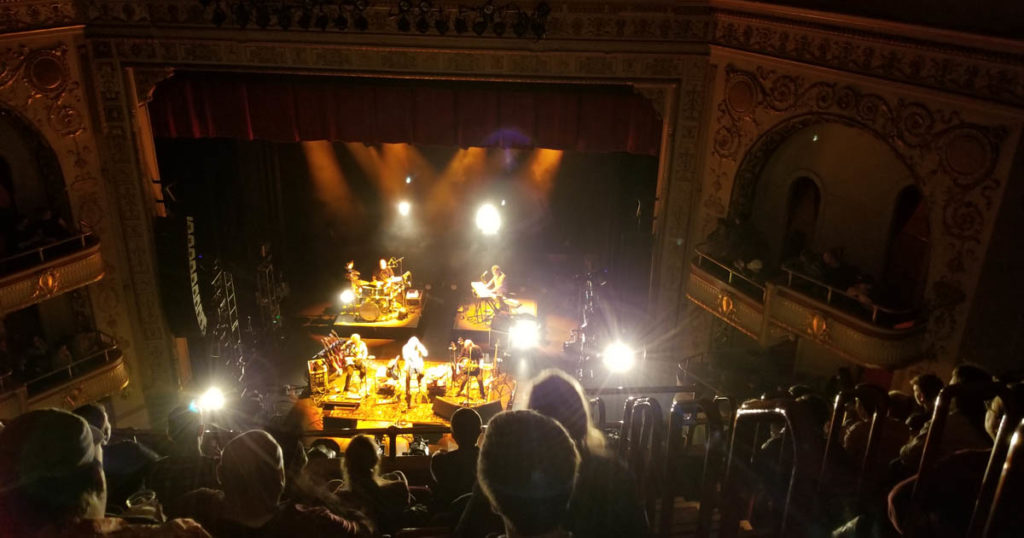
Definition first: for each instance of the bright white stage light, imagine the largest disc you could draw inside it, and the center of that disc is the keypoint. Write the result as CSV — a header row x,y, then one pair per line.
x,y
488,219
348,296
211,400
404,208
408,179
619,358
524,334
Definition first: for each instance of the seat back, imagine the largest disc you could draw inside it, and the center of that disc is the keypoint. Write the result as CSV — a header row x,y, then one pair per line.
x,y
683,419
597,412
1004,518
644,434
796,514
1014,412
878,399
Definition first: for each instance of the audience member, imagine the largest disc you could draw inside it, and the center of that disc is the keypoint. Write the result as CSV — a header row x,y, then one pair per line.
x,y
185,468
387,497
606,503
892,434
945,503
52,483
455,472
965,425
926,390
252,478
96,415
527,471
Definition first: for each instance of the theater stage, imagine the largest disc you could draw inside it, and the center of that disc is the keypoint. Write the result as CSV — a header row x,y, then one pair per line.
x,y
379,406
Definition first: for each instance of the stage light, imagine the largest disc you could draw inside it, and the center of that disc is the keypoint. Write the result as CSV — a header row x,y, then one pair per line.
x,y
618,357
347,296
488,219
404,208
503,203
524,334
211,400
408,180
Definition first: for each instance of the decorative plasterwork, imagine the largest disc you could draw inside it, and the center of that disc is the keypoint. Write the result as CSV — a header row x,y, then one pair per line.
x,y
32,14
624,21
946,66
953,160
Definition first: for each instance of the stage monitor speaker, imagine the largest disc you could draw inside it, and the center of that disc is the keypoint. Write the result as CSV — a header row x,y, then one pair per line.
x,y
332,423
446,407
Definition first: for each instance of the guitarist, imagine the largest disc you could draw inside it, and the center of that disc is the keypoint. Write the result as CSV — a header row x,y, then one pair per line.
x,y
355,354
470,364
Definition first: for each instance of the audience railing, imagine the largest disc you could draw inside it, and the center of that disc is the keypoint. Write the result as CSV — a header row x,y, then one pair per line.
x,y
685,415
840,299
1005,518
749,286
49,252
1000,447
797,509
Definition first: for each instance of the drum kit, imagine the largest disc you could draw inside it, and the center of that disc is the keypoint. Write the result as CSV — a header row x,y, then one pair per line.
x,y
379,300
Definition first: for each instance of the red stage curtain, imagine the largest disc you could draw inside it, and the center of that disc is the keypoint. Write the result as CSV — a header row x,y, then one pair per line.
x,y
295,108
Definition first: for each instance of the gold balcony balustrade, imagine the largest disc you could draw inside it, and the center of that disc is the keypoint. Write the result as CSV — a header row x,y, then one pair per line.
x,y
99,374
864,333
41,273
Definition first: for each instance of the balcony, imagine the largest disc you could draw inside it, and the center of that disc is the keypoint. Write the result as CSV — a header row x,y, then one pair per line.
x,y
867,334
728,294
94,377
39,274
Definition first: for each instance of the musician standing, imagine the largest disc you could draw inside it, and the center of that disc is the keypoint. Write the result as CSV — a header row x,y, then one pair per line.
x,y
473,356
383,272
355,355
413,352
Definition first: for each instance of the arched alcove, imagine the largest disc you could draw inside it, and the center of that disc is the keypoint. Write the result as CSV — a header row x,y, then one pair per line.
x,y
802,210
906,264
856,176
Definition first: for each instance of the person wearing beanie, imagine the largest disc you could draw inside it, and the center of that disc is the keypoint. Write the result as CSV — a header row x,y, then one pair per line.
x,y
52,483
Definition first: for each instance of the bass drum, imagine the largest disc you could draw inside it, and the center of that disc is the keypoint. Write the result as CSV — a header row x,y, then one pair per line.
x,y
369,311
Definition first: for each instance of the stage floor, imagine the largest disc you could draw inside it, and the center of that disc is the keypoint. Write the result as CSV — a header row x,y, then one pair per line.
x,y
371,409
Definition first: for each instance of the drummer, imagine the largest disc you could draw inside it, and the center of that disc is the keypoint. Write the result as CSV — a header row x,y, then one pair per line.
x,y
384,273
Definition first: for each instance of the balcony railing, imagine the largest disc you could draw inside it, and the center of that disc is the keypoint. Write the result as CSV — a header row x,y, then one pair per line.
x,y
41,273
796,304
77,368
729,294
733,277
40,255
93,377
830,295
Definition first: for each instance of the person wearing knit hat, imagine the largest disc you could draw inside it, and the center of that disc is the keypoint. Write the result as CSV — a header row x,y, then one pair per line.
x,y
52,482
527,469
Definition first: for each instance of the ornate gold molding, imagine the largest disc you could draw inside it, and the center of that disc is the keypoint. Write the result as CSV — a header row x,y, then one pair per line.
x,y
20,15
945,66
952,159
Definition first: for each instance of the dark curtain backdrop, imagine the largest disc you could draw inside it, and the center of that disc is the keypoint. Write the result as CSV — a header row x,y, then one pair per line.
x,y
464,114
